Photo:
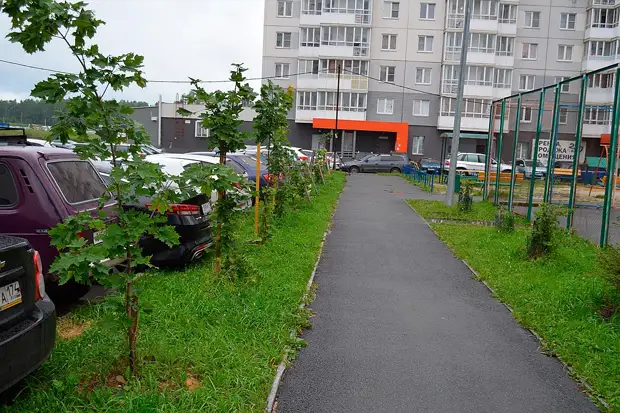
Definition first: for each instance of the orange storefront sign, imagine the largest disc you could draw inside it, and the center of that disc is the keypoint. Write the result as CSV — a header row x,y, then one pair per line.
x,y
401,129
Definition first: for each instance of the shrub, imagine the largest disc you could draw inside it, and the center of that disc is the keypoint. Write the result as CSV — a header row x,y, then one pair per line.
x,y
465,197
540,241
504,220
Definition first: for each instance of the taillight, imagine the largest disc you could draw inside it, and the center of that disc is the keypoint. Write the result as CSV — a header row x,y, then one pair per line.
x,y
270,178
38,277
184,209
448,163
303,158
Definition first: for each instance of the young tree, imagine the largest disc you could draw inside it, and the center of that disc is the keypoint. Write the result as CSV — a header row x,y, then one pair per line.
x,y
221,116
34,25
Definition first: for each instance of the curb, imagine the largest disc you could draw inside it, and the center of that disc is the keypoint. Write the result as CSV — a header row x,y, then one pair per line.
x,y
273,393
588,389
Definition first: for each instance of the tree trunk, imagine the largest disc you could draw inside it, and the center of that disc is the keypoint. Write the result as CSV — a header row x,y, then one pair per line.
x,y
131,302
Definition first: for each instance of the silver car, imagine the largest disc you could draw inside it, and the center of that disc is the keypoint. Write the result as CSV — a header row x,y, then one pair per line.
x,y
525,167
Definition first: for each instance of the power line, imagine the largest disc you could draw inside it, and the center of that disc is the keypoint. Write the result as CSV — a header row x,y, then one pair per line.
x,y
158,81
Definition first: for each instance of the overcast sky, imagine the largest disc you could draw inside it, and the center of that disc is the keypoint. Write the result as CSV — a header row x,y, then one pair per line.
x,y
178,38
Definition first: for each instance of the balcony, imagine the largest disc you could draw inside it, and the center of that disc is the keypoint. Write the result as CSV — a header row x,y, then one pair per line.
x,y
330,81
599,95
605,32
591,63
504,60
601,3
593,130
483,24
471,89
507,27
306,116
468,124
346,49
341,17
477,56
501,91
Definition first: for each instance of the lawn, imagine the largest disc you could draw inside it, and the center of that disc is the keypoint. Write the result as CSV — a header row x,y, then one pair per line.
x,y
206,345
558,297
481,211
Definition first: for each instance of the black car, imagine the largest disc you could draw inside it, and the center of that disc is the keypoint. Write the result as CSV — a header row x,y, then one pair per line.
x,y
190,220
376,163
27,316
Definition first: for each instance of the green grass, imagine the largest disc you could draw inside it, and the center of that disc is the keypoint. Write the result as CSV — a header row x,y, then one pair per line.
x,y
481,211
558,297
226,337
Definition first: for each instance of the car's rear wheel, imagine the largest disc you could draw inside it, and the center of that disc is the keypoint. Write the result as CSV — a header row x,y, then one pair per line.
x,y
507,171
395,171
354,169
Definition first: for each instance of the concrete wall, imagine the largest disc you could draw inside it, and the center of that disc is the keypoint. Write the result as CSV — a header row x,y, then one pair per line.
x,y
145,116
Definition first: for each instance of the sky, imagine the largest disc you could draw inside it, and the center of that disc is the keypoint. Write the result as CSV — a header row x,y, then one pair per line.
x,y
178,39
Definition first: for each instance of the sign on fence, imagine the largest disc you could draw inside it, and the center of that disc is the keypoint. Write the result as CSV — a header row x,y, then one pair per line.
x,y
565,151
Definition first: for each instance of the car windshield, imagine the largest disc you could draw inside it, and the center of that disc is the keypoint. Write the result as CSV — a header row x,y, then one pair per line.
x,y
427,161
529,163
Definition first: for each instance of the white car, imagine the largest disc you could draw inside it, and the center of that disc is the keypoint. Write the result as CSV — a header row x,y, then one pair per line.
x,y
174,164
475,162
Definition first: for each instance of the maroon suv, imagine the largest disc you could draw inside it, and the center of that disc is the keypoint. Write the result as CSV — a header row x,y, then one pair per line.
x,y
40,187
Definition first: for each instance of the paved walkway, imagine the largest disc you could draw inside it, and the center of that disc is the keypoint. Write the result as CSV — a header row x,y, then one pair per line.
x,y
401,326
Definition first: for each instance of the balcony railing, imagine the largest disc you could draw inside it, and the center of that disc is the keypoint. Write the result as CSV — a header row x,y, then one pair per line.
x,y
601,3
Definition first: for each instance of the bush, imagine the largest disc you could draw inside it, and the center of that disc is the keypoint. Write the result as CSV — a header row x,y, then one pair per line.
x,y
609,261
504,220
465,197
540,241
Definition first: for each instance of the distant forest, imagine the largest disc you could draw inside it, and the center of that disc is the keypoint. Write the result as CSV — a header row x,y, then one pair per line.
x,y
37,112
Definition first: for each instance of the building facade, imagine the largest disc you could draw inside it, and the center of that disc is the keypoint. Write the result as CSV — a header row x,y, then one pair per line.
x,y
399,65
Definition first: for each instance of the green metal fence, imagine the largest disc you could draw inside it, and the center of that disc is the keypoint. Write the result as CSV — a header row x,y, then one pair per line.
x,y
559,144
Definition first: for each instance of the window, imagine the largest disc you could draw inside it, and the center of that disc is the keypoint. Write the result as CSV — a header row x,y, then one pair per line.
x,y
423,76
523,150
530,51
567,21
283,70
357,37
425,44
283,40
385,106
310,37
505,46
421,107
563,116
503,78
472,108
603,18
565,53
599,49
285,8
7,187
311,6
427,11
597,115
479,76
77,180
481,42
601,80
308,67
532,19
349,102
526,82
417,145
526,114
306,100
201,132
507,13
484,10
392,9
388,74
349,67
565,88
388,42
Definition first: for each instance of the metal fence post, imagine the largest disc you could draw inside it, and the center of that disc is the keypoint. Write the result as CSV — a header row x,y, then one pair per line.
x,y
487,158
514,155
611,163
539,125
552,142
578,132
499,152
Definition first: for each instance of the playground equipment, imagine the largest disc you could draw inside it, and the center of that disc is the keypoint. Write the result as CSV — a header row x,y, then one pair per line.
x,y
556,130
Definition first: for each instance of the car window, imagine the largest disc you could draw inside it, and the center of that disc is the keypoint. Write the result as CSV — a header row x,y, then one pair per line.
x,y
386,158
461,157
8,190
238,169
482,158
373,159
77,180
472,157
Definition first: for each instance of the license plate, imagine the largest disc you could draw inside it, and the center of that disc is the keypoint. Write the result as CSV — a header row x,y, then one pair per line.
x,y
10,296
206,208
97,237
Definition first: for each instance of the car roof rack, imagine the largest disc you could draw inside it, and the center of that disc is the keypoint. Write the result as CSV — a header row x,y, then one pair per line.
x,y
11,135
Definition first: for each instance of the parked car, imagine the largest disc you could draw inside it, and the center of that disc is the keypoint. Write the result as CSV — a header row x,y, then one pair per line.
x,y
245,165
525,167
27,315
430,165
376,163
39,188
474,162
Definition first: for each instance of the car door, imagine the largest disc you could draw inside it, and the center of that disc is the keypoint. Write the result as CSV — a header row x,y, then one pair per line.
x,y
371,164
386,163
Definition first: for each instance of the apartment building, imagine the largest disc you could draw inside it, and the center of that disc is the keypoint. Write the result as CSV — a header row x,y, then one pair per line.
x,y
400,65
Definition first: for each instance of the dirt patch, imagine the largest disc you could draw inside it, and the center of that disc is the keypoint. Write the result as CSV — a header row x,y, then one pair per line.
x,y
68,328
609,311
192,383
